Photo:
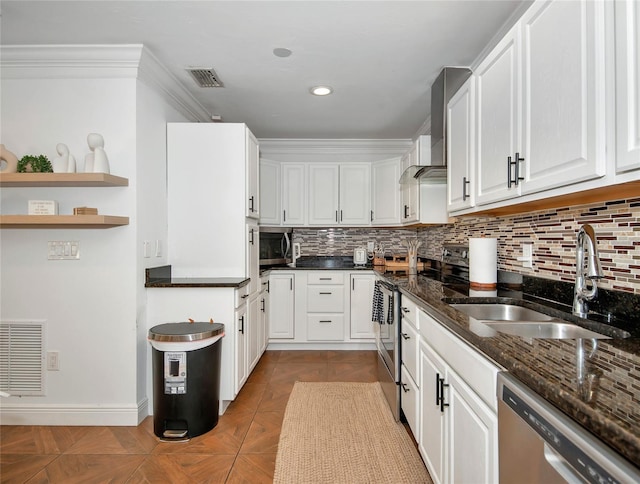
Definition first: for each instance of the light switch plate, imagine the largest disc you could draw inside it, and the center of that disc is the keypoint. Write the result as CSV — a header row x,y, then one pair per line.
x,y
63,250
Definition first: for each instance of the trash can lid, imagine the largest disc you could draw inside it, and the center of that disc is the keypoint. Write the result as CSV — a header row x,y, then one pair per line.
x,y
181,332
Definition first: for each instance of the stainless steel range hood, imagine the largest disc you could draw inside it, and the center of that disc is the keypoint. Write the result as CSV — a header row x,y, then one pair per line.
x,y
442,90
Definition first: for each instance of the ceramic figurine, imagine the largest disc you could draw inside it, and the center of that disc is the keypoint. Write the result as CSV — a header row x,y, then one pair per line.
x,y
10,161
65,163
96,161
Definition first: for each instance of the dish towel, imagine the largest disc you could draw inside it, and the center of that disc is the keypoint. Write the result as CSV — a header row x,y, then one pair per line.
x,y
377,308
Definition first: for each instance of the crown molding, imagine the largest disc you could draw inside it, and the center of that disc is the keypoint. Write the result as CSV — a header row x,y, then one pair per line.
x,y
391,147
123,61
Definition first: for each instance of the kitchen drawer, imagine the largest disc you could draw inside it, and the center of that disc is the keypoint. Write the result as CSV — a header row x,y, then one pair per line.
x,y
409,400
242,294
475,369
325,299
325,277
410,341
408,311
325,327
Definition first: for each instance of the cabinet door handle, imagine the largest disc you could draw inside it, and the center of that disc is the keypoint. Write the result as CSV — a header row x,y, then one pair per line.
x,y
509,163
251,237
336,215
442,387
353,284
340,215
262,308
291,284
372,215
437,389
405,310
325,321
325,293
405,388
518,177
406,213
244,296
326,278
251,204
405,336
241,324
465,182
268,285
284,215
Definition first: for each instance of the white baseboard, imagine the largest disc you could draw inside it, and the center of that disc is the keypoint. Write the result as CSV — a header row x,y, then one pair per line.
x,y
90,415
280,345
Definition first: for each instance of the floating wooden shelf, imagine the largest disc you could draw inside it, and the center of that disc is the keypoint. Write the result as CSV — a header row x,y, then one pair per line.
x,y
61,221
62,180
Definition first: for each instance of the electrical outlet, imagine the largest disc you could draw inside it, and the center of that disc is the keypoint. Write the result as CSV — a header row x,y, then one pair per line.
x,y
371,245
145,249
53,361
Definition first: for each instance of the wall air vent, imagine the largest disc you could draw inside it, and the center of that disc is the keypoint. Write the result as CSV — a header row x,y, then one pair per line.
x,y
22,361
205,77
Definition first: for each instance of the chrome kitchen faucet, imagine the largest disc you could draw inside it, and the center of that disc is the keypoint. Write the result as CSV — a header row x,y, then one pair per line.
x,y
586,239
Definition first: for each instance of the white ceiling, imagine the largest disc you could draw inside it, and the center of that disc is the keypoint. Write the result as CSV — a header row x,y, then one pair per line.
x,y
380,56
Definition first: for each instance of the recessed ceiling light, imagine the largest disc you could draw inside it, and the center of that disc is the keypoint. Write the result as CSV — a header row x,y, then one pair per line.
x,y
281,52
321,90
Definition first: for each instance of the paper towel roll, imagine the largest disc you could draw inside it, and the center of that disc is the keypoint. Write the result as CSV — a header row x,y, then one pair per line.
x,y
483,262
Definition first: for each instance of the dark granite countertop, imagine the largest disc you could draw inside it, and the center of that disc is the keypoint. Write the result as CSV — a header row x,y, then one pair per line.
x,y
608,405
311,263
161,277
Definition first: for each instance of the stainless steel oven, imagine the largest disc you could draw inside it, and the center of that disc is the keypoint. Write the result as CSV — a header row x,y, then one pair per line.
x,y
538,443
386,315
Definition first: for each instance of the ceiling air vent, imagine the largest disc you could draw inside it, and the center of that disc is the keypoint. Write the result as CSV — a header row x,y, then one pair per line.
x,y
205,77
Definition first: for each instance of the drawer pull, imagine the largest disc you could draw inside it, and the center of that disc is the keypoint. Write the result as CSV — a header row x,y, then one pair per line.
x,y
326,293
405,310
326,278
405,388
325,321
405,336
245,296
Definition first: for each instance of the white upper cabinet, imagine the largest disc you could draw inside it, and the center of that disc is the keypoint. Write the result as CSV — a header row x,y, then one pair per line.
x,y
411,190
324,195
460,148
270,193
627,15
294,196
385,196
563,94
498,121
339,194
252,184
355,194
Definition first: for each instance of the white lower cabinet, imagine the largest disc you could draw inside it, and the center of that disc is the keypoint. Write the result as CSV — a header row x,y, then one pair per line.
x,y
325,306
241,361
361,296
458,425
281,307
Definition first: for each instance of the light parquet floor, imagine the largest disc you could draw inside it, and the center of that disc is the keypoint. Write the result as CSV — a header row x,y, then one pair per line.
x,y
240,449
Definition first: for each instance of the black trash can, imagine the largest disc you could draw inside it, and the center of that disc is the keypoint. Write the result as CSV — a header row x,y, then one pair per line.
x,y
186,378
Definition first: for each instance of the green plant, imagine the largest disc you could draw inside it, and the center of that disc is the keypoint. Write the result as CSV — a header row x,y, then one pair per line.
x,y
35,164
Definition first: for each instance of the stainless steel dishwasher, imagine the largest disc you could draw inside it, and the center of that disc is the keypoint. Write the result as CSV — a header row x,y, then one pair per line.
x,y
538,443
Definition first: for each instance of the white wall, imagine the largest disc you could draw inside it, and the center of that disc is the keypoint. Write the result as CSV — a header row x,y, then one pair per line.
x,y
89,304
94,307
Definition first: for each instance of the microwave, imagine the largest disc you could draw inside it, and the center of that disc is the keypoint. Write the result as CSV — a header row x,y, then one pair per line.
x,y
275,246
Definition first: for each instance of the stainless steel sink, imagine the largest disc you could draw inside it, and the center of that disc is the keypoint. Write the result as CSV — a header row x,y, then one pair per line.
x,y
489,319
549,330
501,312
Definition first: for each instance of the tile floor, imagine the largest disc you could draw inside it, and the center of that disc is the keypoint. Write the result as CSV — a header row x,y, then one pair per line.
x,y
241,448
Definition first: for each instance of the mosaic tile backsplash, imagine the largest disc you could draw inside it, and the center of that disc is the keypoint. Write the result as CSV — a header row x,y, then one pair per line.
x,y
552,232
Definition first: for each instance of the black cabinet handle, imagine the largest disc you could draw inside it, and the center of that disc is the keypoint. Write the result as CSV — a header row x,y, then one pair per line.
x,y
437,389
291,284
405,388
509,163
340,215
336,215
325,321
326,278
372,215
251,237
405,310
241,324
442,387
465,182
518,160
284,215
262,308
326,293
251,204
245,296
405,336
406,211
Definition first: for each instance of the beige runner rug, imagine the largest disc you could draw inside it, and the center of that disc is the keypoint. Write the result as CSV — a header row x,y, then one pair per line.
x,y
344,433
